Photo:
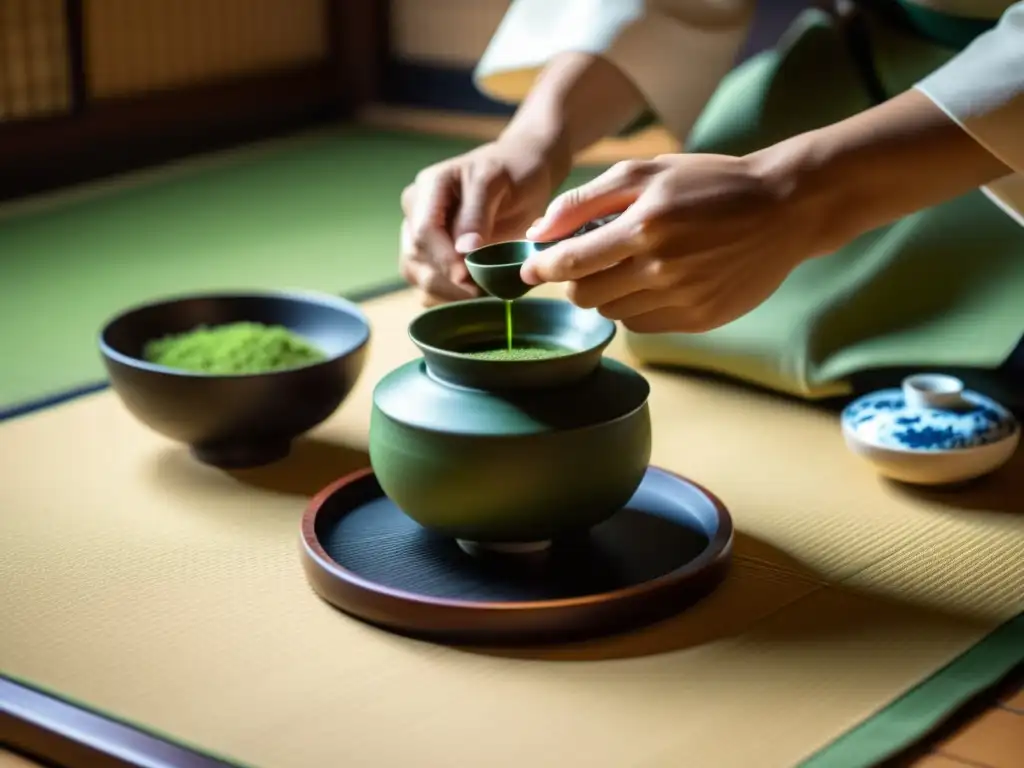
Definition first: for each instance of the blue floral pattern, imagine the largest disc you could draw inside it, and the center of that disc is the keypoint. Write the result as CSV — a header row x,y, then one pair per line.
x,y
884,419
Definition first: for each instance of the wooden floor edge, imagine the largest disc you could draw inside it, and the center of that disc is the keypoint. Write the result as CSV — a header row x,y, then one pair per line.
x,y
647,143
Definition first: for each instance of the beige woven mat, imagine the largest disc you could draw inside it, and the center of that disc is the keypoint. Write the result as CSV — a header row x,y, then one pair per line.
x,y
170,594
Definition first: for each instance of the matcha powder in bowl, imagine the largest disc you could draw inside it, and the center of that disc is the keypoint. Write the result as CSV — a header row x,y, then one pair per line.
x,y
235,348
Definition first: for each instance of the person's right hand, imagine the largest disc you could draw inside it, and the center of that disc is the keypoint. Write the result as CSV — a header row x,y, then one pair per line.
x,y
487,195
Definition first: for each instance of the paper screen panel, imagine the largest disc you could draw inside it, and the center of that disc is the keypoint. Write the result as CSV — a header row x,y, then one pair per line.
x,y
34,69
137,46
453,33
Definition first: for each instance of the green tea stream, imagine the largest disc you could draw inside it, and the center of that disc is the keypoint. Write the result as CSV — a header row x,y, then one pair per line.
x,y
530,350
508,323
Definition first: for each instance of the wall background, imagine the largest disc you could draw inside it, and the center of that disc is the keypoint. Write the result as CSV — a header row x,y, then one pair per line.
x,y
138,46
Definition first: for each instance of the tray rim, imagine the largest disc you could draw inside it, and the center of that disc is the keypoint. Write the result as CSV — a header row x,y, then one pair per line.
x,y
316,561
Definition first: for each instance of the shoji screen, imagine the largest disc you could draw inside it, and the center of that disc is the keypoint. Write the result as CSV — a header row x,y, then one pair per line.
x,y
34,69
138,46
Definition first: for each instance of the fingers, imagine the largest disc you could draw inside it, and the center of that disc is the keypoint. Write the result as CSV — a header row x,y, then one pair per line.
x,y
435,285
654,293
611,192
424,254
642,273
483,191
676,319
430,199
643,301
665,311
608,285
588,254
427,205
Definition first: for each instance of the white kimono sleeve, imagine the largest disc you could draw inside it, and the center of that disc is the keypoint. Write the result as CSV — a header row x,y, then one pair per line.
x,y
982,89
675,51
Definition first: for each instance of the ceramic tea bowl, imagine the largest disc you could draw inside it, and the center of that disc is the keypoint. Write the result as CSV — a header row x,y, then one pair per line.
x,y
243,420
495,267
446,334
931,431
510,454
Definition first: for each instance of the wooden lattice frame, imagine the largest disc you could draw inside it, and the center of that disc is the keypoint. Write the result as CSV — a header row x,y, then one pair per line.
x,y
89,138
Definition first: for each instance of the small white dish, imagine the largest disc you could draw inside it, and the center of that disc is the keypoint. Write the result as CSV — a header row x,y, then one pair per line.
x,y
931,431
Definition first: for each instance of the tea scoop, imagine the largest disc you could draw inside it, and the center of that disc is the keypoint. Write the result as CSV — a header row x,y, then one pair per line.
x,y
496,267
930,431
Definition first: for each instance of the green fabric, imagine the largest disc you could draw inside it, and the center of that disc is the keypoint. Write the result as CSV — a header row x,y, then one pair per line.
x,y
906,720
943,28
940,288
316,212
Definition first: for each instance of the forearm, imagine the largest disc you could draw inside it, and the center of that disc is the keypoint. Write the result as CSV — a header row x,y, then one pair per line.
x,y
674,52
577,100
880,165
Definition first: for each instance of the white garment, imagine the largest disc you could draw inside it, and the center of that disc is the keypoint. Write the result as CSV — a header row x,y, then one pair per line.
x,y
677,51
982,89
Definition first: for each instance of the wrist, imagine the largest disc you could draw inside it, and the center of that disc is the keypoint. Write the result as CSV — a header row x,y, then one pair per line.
x,y
577,99
541,145
802,178
876,167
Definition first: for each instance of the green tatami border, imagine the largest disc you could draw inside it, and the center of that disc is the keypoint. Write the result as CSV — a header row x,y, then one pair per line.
x,y
914,715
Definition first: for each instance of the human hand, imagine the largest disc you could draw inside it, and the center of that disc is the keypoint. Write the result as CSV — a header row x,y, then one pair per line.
x,y
489,194
702,240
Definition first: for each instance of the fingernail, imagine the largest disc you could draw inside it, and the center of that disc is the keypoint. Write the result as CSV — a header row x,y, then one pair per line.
x,y
468,242
534,230
527,275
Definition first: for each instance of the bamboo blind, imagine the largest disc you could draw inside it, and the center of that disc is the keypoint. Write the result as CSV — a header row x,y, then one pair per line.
x,y
34,70
135,46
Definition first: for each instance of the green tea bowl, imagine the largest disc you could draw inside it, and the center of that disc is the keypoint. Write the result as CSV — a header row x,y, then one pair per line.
x,y
236,421
510,454
496,267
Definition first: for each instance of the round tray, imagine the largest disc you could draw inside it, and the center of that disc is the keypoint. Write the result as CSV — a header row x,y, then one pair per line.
x,y
669,547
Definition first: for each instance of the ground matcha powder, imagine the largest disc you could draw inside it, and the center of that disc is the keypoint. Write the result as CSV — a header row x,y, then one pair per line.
x,y
518,353
235,348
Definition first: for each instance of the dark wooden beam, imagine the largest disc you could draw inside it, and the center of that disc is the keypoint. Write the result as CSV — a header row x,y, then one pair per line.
x,y
45,728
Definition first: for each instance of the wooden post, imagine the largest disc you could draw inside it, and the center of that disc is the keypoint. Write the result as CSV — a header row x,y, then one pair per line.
x,y
74,28
359,44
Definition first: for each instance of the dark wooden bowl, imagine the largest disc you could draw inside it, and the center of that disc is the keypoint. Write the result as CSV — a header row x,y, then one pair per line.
x,y
236,420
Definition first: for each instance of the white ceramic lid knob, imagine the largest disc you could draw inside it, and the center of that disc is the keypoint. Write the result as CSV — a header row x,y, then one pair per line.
x,y
933,390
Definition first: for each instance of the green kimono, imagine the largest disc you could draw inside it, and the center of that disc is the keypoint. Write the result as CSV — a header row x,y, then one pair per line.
x,y
941,289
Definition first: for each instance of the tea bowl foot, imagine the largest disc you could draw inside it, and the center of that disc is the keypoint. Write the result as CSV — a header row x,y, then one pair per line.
x,y
242,455
481,548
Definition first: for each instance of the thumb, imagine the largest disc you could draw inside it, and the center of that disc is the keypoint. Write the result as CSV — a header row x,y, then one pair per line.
x,y
612,192
481,197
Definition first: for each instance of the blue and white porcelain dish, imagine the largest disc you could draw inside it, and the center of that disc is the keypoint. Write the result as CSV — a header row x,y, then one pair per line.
x,y
931,430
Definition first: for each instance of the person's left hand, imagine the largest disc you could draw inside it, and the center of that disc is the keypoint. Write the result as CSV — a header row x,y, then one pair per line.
x,y
703,239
